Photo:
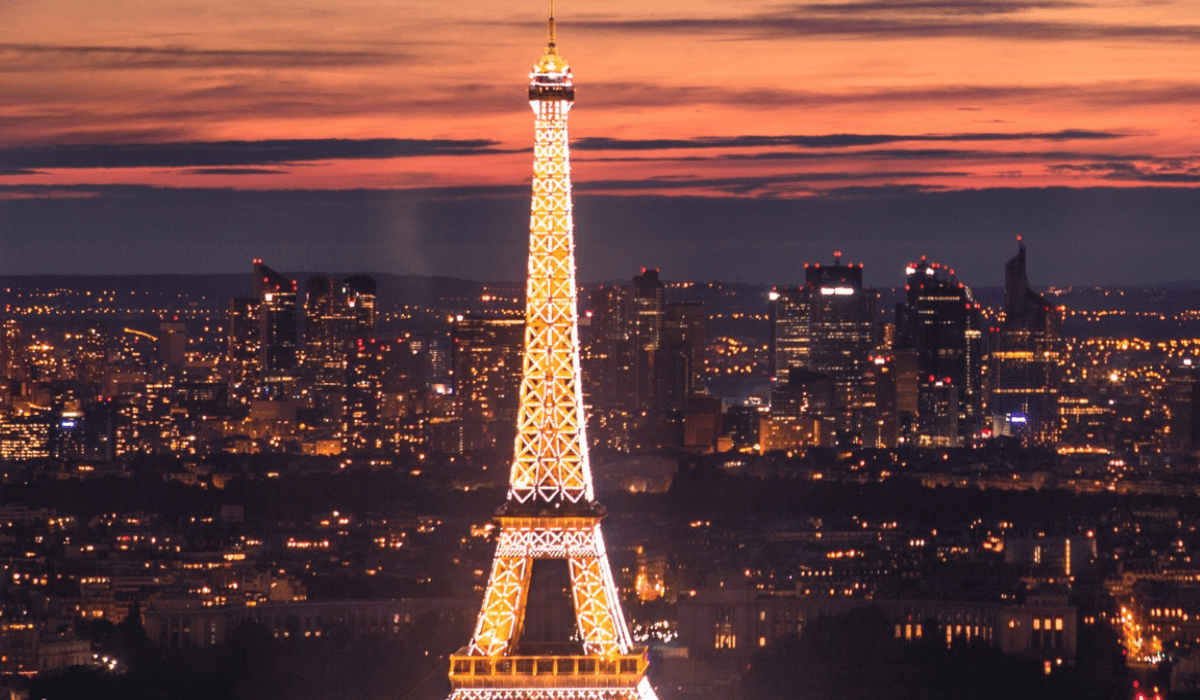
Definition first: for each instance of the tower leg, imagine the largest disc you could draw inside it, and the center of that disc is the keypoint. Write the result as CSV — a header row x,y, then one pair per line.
x,y
503,606
600,623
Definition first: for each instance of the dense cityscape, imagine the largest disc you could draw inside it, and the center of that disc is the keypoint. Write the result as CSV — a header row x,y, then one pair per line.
x,y
1010,471
310,484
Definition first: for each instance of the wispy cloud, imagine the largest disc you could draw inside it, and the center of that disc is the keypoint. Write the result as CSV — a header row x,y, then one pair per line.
x,y
1108,93
234,153
856,21
937,7
761,185
235,171
1152,170
827,140
53,57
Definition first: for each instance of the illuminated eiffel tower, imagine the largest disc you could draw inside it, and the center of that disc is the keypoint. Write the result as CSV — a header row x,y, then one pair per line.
x,y
551,512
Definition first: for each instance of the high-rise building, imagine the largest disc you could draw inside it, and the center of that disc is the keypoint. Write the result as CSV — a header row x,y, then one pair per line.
x,y
827,328
172,344
241,351
486,353
277,310
14,361
680,366
1024,361
644,362
647,298
363,302
940,322
330,325
1182,404
550,521
608,368
386,381
880,384
25,437
93,354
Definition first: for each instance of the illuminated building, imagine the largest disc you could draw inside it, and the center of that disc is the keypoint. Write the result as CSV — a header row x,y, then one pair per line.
x,y
486,353
330,321
28,649
1024,364
1069,555
93,354
550,516
735,621
643,363
1183,406
172,344
14,361
25,437
1085,422
940,322
880,384
647,298
826,327
242,344
680,366
276,297
608,368
81,428
385,381
365,293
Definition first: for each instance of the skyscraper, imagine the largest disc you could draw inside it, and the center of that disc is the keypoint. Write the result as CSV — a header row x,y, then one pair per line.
x,y
486,354
14,362
644,363
386,381
822,336
330,321
1024,362
242,348
608,368
940,322
276,297
364,289
681,356
93,354
647,297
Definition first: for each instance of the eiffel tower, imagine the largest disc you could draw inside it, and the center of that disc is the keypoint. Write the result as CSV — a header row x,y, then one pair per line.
x,y
551,511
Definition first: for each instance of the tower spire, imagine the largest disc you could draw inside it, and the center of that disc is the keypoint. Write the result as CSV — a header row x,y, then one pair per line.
x,y
551,30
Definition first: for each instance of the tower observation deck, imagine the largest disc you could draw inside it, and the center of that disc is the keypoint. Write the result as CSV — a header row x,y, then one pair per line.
x,y
550,511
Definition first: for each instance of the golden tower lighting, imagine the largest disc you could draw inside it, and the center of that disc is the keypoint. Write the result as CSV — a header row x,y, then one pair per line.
x,y
551,512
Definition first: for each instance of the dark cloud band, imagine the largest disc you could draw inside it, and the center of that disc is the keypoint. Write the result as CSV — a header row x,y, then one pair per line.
x,y
826,140
234,153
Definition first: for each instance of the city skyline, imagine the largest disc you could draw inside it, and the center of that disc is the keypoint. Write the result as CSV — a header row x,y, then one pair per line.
x,y
719,143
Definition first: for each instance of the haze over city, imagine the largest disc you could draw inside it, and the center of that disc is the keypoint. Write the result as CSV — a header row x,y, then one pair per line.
x,y
715,140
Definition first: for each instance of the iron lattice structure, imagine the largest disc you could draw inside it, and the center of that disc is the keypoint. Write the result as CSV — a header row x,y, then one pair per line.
x,y
550,512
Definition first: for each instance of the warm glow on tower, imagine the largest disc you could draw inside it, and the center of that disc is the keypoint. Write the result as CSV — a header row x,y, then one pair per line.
x,y
551,452
551,511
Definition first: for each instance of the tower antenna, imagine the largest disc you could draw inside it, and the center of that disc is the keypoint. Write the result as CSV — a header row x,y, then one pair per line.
x,y
551,27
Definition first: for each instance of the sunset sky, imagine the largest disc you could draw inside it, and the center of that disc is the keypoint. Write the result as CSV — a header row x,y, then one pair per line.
x,y
723,140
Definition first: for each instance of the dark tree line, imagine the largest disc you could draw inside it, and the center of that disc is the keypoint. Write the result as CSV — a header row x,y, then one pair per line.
x,y
254,665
